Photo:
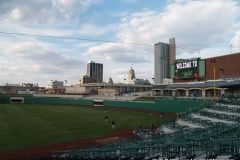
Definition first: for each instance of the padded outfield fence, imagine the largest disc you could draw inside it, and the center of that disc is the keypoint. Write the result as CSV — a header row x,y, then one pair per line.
x,y
160,105
49,100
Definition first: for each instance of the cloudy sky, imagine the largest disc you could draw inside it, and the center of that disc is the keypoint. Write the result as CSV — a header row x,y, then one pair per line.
x,y
201,28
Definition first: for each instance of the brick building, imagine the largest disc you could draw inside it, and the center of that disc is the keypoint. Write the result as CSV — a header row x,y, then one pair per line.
x,y
227,66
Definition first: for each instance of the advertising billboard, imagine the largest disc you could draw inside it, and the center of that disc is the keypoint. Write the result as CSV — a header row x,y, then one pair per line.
x,y
186,68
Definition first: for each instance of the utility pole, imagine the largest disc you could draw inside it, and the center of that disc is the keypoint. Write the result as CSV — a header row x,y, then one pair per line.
x,y
221,71
214,82
230,47
127,85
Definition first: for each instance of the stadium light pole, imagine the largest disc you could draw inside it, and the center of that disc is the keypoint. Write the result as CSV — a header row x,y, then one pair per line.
x,y
221,71
126,83
230,48
153,79
214,82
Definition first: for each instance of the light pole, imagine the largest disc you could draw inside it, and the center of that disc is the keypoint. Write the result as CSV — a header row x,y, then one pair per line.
x,y
127,85
214,82
221,71
153,79
213,61
230,48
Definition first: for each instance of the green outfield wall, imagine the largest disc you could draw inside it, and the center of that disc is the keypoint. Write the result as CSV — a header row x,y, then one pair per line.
x,y
50,100
160,105
181,105
4,99
130,104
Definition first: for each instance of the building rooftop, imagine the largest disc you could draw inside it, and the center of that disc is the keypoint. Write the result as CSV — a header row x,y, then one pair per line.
x,y
205,84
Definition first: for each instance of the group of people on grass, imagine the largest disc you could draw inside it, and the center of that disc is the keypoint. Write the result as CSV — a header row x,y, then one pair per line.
x,y
113,122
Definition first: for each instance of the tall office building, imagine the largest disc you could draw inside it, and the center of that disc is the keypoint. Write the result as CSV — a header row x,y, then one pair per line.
x,y
164,56
172,51
95,71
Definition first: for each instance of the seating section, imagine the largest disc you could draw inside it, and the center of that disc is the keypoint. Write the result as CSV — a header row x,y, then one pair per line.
x,y
209,133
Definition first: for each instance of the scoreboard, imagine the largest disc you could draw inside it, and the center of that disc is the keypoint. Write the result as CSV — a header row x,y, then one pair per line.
x,y
188,68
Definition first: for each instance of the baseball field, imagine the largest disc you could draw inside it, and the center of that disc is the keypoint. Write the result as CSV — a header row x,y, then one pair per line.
x,y
25,126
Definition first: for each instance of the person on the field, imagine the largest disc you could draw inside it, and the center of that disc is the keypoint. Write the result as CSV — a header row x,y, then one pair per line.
x,y
161,114
118,110
113,124
150,114
106,118
152,126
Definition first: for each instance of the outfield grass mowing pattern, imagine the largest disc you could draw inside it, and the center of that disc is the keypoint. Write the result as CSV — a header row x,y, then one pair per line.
x,y
24,126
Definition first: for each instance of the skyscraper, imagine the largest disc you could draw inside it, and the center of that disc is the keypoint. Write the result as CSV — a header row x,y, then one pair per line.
x,y
172,51
164,56
95,71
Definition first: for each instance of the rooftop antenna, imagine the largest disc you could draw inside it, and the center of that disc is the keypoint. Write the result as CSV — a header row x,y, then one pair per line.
x,y
230,48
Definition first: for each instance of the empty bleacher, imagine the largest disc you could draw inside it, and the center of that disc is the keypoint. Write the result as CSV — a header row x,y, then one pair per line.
x,y
207,133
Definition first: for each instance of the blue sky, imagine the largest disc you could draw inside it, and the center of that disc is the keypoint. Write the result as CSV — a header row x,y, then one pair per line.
x,y
201,28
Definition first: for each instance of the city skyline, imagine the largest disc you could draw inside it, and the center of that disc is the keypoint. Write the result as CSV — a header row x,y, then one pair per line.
x,y
201,28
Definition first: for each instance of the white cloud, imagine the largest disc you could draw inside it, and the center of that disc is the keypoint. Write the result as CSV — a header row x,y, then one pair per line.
x,y
31,61
47,11
235,42
40,59
94,30
195,24
48,17
120,53
129,1
200,24
16,14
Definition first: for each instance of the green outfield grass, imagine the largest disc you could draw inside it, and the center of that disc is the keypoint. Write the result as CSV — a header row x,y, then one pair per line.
x,y
24,126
